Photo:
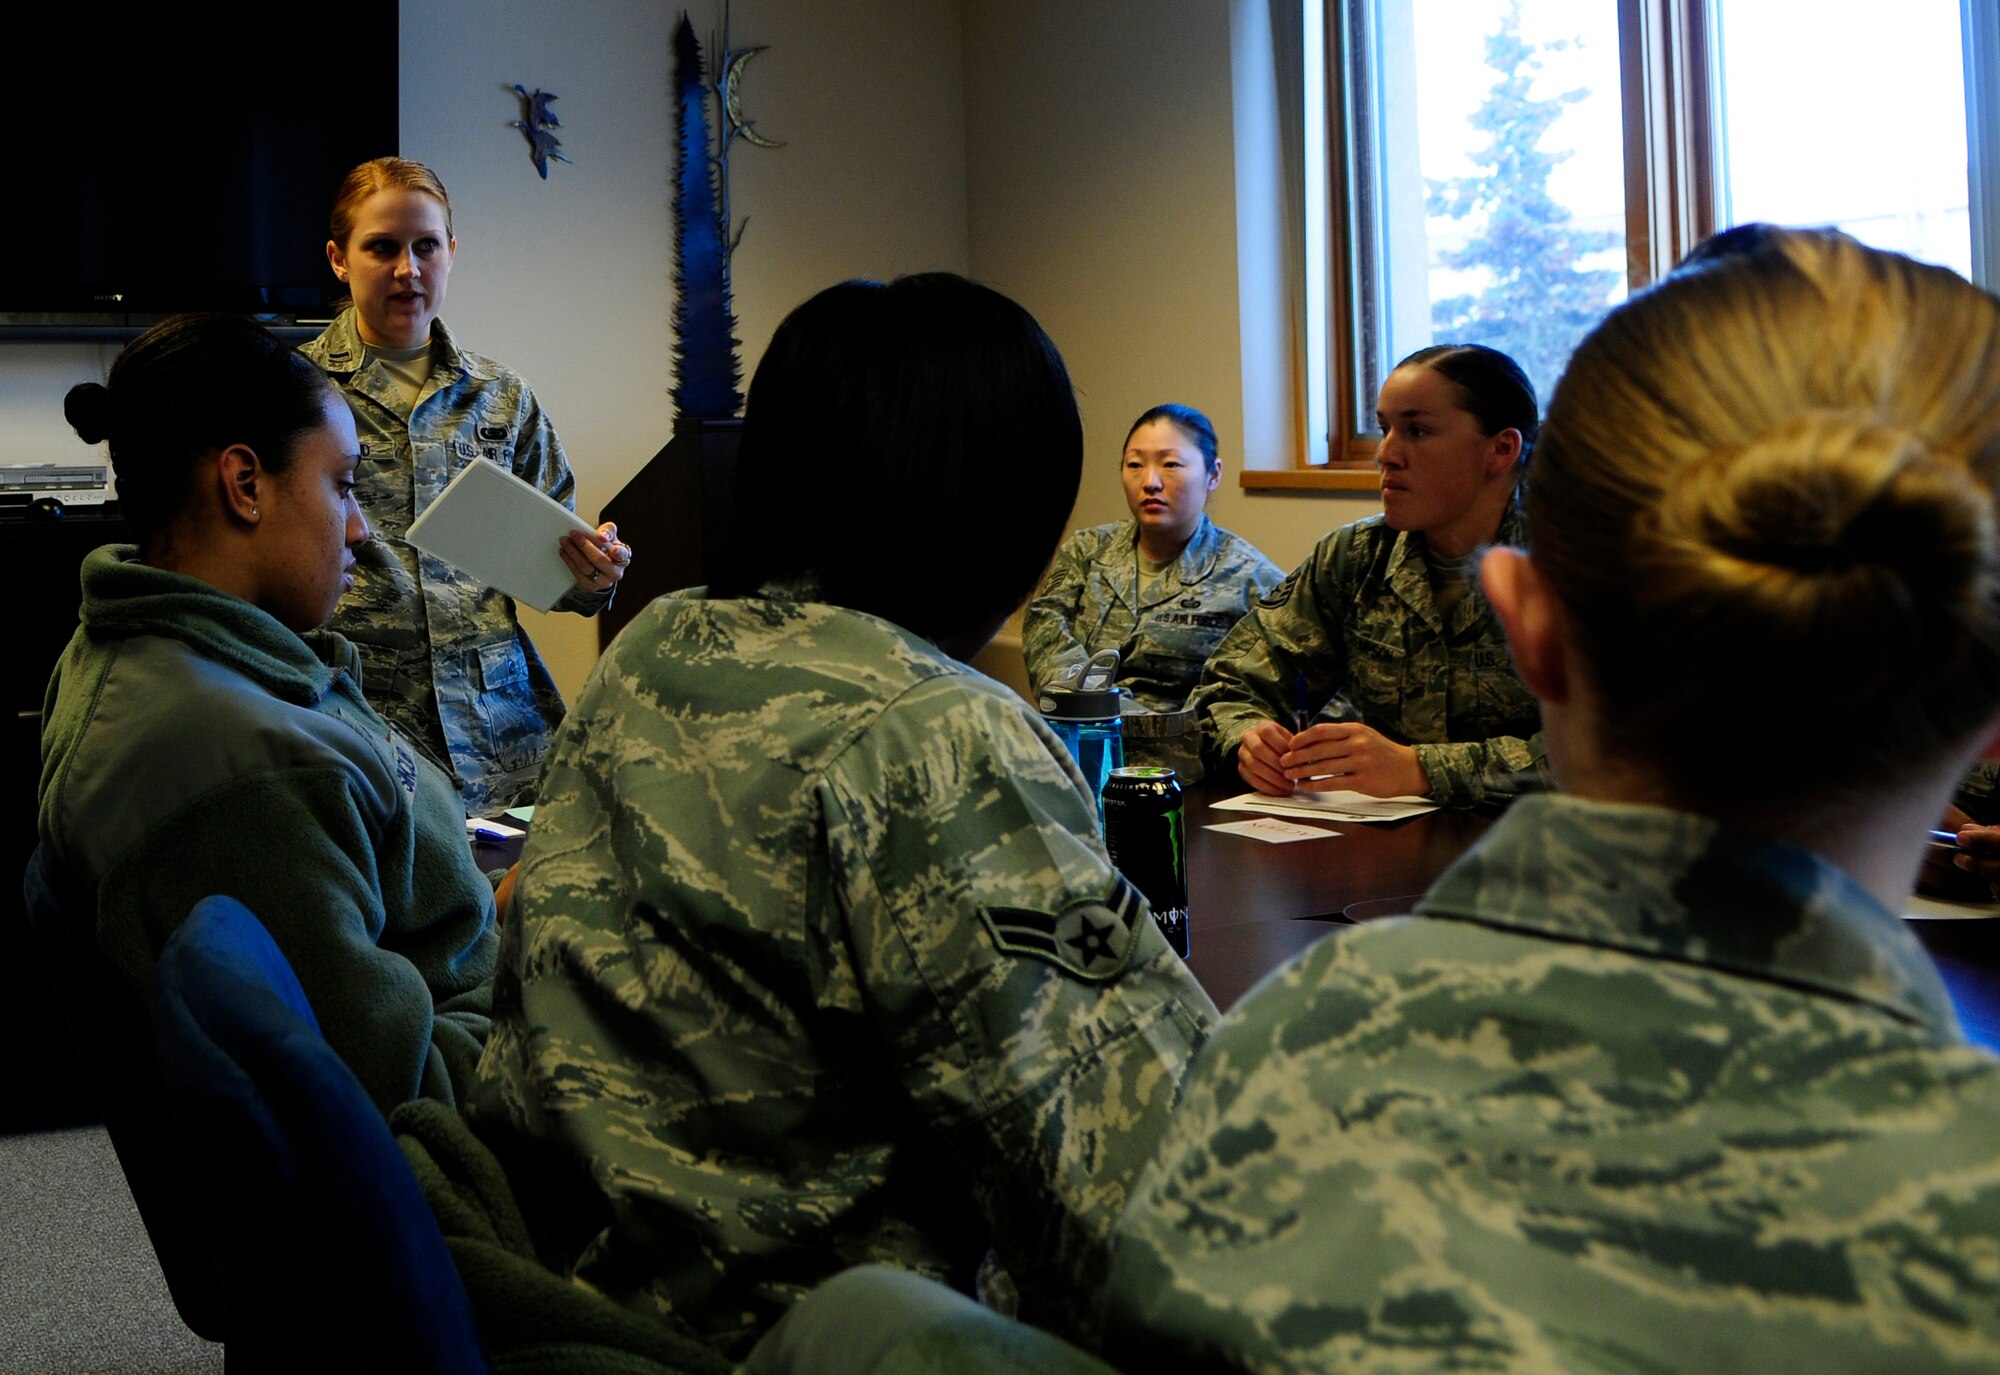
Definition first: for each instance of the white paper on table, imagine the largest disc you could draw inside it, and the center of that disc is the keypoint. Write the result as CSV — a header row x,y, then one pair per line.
x,y
1334,806
1272,831
1919,907
488,826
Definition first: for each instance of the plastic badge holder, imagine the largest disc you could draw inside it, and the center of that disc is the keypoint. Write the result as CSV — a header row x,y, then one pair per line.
x,y
1091,727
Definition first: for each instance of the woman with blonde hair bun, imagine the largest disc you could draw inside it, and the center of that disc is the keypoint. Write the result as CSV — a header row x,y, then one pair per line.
x,y
1656,1079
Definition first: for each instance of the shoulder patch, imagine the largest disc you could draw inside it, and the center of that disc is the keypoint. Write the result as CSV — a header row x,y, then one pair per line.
x,y
1282,593
1091,939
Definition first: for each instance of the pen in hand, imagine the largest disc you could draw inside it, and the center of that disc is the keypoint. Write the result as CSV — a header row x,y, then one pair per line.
x,y
1302,712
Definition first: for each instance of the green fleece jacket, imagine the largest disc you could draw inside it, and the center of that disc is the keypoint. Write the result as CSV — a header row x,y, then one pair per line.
x,y
193,745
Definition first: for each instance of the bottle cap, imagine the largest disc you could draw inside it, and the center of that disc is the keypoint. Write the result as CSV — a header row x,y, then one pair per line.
x,y
1060,705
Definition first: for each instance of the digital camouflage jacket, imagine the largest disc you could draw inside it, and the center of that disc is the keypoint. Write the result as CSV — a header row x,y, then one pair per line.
x,y
817,958
1091,600
1359,623
447,662
1635,1092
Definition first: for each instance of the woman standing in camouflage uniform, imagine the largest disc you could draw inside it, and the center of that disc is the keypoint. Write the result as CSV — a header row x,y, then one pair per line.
x,y
445,658
1657,1079
816,955
1162,588
1383,634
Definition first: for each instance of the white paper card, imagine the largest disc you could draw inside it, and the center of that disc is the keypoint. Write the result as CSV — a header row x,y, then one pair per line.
x,y
1272,831
502,531
1918,907
1334,806
485,828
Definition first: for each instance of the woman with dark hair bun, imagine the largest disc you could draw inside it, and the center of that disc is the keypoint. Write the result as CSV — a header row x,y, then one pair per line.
x,y
1162,588
816,954
1377,665
200,739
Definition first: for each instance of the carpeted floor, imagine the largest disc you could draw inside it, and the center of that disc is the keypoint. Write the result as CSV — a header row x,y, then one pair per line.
x,y
79,1289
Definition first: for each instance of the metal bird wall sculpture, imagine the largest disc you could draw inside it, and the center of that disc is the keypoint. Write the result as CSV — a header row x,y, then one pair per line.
x,y
537,119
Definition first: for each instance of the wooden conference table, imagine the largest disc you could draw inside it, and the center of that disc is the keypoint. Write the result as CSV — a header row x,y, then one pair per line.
x,y
1253,905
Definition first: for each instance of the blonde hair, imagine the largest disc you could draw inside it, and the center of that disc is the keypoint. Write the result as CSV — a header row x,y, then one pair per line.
x,y
381,174
1765,495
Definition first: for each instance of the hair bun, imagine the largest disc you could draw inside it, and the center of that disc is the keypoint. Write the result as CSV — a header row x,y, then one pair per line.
x,y
88,406
1832,557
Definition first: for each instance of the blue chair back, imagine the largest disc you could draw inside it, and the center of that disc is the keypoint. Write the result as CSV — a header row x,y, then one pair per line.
x,y
114,1035
330,1258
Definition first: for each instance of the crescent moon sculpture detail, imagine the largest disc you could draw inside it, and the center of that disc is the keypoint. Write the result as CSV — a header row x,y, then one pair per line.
x,y
732,100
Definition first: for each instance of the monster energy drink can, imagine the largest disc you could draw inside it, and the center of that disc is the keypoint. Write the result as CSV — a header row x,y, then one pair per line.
x,y
1145,828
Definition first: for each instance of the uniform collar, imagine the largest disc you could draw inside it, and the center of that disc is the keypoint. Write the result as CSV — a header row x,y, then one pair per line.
x,y
340,350
1409,566
1196,563
1673,885
123,598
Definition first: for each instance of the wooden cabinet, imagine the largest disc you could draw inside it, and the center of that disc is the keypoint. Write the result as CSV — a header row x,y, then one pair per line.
x,y
678,514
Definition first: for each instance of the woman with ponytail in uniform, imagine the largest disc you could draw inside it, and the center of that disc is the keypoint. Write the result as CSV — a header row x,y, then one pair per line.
x,y
1657,1079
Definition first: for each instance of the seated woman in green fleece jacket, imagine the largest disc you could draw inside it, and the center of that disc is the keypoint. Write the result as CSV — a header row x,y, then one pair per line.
x,y
197,739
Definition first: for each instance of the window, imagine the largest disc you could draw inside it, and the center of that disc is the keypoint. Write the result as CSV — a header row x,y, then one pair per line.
x,y
1504,171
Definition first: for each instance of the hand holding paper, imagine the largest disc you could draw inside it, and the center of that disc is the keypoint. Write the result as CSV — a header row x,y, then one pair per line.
x,y
595,561
500,529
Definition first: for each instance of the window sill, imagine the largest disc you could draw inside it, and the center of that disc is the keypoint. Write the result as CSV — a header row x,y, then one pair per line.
x,y
1308,480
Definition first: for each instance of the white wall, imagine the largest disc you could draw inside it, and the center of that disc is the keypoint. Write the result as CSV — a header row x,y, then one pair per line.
x,y
1080,156
1102,164
570,281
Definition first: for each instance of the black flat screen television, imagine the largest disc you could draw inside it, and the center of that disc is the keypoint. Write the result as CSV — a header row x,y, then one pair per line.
x,y
175,158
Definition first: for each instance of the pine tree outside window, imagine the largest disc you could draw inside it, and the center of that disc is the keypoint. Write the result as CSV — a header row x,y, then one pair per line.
x,y
1504,171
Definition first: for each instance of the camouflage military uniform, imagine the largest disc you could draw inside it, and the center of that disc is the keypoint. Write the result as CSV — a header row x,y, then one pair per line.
x,y
817,959
1359,622
446,659
1636,1093
1091,600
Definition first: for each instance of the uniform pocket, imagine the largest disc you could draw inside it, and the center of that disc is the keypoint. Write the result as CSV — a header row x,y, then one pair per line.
x,y
501,666
516,735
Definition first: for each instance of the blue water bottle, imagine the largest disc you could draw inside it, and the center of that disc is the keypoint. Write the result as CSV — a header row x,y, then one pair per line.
x,y
1090,725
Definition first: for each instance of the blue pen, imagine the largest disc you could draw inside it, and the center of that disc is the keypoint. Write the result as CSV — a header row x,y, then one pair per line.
x,y
1302,713
1945,837
490,837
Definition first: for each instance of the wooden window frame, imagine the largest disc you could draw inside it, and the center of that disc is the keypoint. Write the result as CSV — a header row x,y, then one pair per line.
x,y
1672,200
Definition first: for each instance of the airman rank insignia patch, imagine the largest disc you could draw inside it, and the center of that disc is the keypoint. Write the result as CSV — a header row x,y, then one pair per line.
x,y
1282,593
1090,939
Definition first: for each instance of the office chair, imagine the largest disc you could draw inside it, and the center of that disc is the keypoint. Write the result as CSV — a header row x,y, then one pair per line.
x,y
114,1034
330,1259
